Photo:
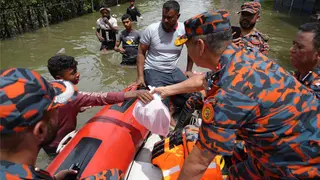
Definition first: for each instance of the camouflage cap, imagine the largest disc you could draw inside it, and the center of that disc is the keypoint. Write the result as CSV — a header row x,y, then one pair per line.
x,y
26,96
251,7
205,23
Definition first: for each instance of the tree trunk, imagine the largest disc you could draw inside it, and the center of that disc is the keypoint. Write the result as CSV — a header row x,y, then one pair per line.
x,y
39,18
6,29
30,21
17,23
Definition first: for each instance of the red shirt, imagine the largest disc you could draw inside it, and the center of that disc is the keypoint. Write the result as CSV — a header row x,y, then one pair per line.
x,y
68,113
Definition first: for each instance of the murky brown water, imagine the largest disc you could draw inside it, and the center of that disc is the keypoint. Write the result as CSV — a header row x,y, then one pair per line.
x,y
102,72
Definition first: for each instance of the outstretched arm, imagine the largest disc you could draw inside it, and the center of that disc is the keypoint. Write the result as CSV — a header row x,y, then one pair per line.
x,y
101,99
193,84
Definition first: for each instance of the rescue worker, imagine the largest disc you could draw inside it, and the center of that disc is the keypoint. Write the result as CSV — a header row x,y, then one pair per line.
x,y
29,122
250,37
250,96
305,56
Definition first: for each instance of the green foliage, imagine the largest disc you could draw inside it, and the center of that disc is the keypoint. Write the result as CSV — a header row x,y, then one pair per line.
x,y
19,16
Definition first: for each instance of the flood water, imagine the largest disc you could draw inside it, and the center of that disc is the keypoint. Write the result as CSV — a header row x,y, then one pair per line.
x,y
102,72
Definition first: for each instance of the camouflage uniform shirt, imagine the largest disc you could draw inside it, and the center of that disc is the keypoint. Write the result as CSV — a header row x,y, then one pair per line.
x,y
254,39
13,171
276,116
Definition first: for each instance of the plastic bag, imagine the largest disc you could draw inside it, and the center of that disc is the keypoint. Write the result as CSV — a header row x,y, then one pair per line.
x,y
155,116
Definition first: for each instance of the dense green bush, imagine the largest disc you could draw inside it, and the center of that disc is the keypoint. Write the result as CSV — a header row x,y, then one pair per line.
x,y
19,16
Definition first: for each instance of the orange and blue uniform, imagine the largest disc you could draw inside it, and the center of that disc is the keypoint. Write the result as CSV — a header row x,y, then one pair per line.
x,y
13,171
275,115
254,39
252,98
25,98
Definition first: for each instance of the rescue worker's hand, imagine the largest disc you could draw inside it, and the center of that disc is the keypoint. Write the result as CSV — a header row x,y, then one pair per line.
x,y
62,174
144,96
140,81
162,91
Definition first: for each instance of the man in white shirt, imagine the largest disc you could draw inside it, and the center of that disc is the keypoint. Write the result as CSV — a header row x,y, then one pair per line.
x,y
107,29
158,56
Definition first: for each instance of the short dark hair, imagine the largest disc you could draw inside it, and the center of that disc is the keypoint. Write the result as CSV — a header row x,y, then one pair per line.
x,y
126,16
172,5
58,63
216,41
314,28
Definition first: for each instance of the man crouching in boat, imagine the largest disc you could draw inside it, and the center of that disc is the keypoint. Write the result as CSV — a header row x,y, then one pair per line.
x,y
29,121
252,97
65,68
305,56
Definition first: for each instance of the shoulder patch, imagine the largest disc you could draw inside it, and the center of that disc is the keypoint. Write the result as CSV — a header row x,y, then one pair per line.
x,y
207,110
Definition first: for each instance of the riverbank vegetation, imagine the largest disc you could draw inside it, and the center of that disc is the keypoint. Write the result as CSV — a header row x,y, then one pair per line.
x,y
20,16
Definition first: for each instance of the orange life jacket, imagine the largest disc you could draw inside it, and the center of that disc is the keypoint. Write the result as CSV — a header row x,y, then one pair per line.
x,y
170,153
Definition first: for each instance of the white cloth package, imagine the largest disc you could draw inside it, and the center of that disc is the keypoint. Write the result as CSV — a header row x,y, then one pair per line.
x,y
155,116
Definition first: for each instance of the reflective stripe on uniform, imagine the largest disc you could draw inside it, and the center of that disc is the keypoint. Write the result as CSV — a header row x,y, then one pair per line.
x,y
212,165
171,171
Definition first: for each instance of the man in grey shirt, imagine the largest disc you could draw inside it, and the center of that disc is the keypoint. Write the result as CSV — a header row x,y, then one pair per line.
x,y
158,67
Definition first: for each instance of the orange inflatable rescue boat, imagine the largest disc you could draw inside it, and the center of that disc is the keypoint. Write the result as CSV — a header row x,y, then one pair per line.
x,y
112,139
109,140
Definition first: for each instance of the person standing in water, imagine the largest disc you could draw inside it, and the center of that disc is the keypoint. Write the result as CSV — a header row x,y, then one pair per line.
x,y
107,29
250,37
133,11
130,41
158,56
